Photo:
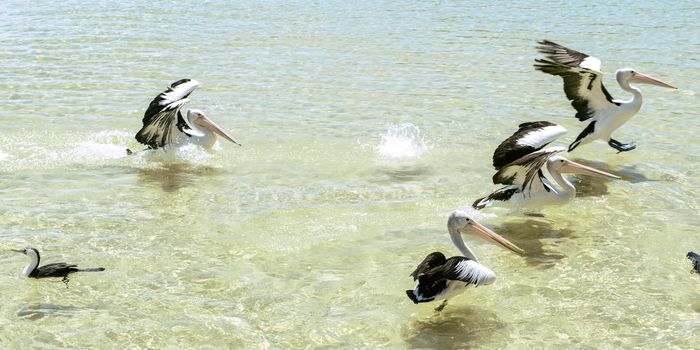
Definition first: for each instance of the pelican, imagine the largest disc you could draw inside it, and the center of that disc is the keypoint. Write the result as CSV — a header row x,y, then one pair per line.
x,y
33,270
440,278
519,161
583,85
164,124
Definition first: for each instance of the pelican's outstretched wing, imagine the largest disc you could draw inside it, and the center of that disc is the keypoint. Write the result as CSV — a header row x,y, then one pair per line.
x,y
529,138
163,119
583,80
520,157
526,172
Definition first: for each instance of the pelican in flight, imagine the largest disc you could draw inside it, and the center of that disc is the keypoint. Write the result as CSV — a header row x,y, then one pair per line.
x,y
33,270
583,85
440,278
519,161
164,124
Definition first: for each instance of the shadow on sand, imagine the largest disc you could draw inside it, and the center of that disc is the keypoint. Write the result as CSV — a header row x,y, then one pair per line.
x,y
456,327
529,234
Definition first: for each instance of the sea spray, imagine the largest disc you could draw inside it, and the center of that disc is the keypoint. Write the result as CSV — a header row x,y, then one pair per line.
x,y
402,142
108,144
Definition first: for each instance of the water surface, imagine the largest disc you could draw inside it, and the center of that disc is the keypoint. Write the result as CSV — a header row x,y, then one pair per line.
x,y
363,126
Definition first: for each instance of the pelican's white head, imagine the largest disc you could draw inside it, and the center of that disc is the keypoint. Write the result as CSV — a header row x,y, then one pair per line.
x,y
625,76
198,119
559,164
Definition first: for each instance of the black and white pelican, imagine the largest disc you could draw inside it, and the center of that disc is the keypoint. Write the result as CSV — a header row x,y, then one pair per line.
x,y
164,124
583,85
33,270
440,278
519,161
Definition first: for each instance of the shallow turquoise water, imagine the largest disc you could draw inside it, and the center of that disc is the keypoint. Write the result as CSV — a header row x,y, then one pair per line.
x,y
305,236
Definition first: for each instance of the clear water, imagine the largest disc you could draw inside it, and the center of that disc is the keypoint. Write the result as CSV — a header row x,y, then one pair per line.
x,y
364,124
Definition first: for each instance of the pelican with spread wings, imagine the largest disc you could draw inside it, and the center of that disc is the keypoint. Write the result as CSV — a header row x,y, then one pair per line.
x,y
440,278
583,85
164,124
519,161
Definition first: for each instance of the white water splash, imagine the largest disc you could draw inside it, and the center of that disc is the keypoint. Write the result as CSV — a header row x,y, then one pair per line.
x,y
193,153
4,156
189,152
402,141
104,147
109,144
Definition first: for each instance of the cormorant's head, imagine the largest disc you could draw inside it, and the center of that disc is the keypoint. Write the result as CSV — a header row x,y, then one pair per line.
x,y
27,251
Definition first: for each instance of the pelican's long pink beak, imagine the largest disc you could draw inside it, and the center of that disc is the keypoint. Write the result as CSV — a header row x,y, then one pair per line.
x,y
646,79
576,168
209,124
493,237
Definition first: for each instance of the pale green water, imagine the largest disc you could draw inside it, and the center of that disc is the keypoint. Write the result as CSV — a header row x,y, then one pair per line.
x,y
305,236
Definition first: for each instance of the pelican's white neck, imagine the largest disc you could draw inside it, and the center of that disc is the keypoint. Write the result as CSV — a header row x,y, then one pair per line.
x,y
190,119
207,138
457,240
569,191
627,86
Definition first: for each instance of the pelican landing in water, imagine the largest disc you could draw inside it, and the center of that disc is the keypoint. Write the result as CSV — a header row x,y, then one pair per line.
x,y
439,278
519,161
164,124
583,85
62,270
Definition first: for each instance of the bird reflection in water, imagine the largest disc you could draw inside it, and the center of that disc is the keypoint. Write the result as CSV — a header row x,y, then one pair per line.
x,y
172,177
529,236
458,327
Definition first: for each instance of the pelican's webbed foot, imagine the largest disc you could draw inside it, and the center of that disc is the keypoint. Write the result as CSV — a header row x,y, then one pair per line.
x,y
441,306
621,147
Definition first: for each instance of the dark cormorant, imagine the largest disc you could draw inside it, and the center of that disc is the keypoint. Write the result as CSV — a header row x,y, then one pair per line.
x,y
33,270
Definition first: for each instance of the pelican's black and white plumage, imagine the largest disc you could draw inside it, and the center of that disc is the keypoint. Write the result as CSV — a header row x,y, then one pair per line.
x,y
164,124
62,270
519,161
583,85
695,259
438,277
